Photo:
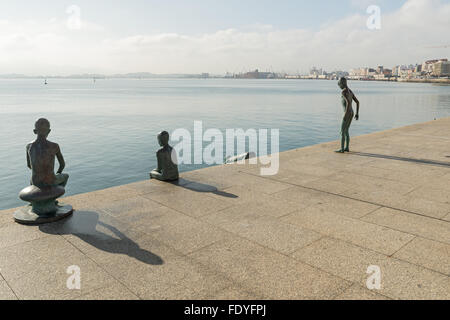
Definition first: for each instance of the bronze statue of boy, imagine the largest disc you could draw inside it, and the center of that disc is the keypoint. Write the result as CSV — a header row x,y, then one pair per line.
x,y
347,98
41,158
167,169
46,186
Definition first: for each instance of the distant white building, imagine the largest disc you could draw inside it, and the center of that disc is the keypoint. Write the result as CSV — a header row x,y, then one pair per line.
x,y
428,66
359,73
314,72
441,68
396,71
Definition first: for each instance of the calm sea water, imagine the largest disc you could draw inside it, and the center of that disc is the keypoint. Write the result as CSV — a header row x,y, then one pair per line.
x,y
107,129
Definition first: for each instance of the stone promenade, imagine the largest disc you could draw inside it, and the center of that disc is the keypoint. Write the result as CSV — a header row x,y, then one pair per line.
x,y
225,232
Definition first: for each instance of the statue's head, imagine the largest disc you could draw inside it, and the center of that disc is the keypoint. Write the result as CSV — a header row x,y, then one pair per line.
x,y
342,83
42,127
163,138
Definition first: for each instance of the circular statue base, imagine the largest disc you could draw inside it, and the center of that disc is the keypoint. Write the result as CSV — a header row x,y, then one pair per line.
x,y
25,215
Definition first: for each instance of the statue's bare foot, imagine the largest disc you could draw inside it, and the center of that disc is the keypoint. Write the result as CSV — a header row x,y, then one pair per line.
x,y
339,151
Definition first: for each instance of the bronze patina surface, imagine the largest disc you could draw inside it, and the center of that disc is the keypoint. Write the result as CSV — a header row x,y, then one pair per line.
x,y
46,186
347,97
167,169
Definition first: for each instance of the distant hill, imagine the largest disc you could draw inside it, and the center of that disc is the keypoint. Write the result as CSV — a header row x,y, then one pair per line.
x,y
134,75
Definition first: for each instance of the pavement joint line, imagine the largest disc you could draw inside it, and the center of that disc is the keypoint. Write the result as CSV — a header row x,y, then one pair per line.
x,y
197,217
407,232
375,292
403,246
93,291
296,210
379,206
204,247
21,243
12,290
412,234
234,235
374,176
351,284
380,225
188,252
348,242
8,285
237,286
388,255
322,236
133,228
351,198
415,189
207,266
376,252
258,244
99,266
359,218
220,274
287,256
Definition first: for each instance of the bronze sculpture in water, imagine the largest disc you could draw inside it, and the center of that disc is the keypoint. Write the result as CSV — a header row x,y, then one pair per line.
x,y
167,169
347,98
46,186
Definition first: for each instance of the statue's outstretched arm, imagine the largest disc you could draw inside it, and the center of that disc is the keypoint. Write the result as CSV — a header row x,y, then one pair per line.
x,y
357,105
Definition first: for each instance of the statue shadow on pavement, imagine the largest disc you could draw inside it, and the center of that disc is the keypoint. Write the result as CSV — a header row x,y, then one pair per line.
x,y
202,187
413,160
86,225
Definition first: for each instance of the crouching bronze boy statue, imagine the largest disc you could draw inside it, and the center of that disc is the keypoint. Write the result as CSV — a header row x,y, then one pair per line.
x,y
167,169
46,186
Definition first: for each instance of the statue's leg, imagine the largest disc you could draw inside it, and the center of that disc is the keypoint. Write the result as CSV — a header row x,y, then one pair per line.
x,y
347,134
342,137
61,179
347,143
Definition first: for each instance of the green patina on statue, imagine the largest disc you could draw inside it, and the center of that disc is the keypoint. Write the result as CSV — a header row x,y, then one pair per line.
x,y
41,158
46,186
347,98
167,169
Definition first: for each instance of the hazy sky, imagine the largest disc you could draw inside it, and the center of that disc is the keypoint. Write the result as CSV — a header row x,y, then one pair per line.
x,y
191,36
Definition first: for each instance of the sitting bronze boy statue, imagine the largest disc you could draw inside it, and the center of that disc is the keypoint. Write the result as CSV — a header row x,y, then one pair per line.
x,y
167,169
46,186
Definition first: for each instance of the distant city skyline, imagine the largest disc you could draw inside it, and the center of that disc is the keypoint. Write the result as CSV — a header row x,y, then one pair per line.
x,y
59,37
314,70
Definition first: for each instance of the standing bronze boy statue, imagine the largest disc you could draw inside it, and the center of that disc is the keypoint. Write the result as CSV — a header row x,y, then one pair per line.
x,y
347,99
